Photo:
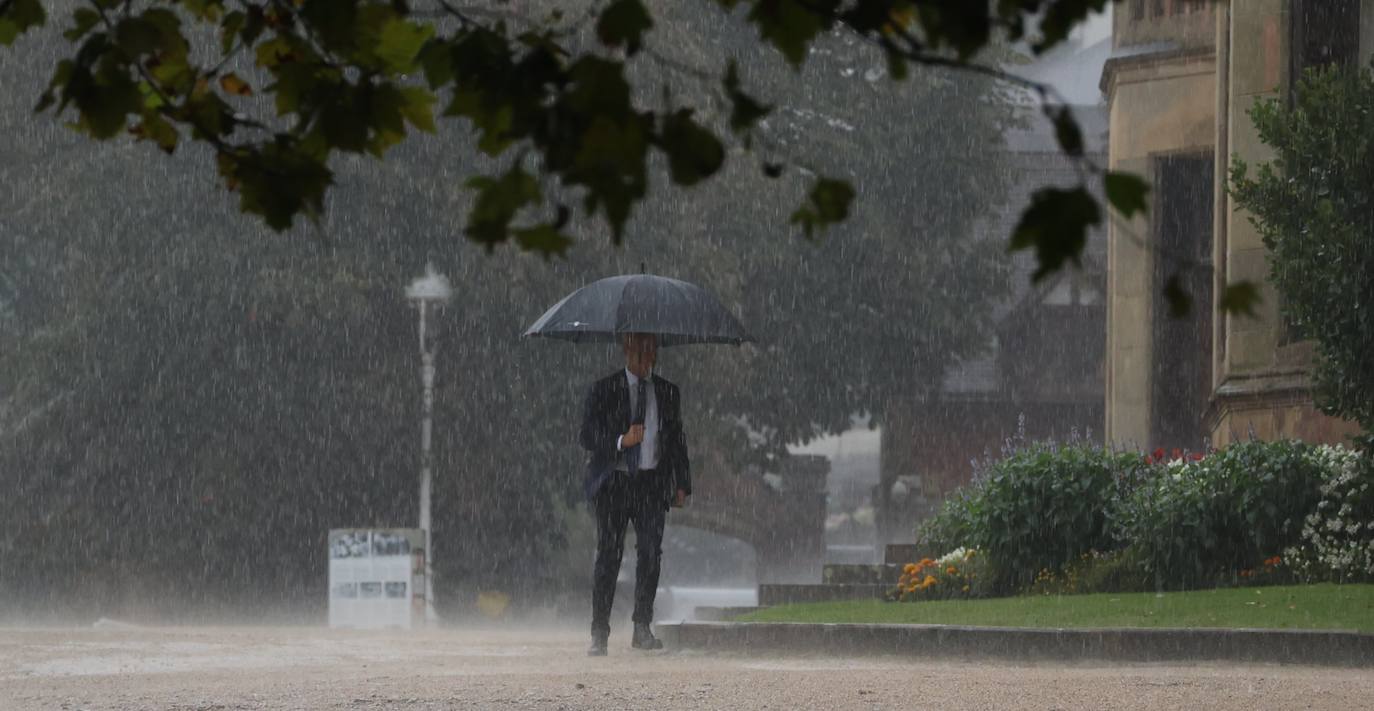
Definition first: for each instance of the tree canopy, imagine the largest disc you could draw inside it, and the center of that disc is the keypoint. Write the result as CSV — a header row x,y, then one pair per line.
x,y
279,89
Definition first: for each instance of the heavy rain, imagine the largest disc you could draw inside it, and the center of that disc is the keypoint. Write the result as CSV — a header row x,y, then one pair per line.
x,y
859,366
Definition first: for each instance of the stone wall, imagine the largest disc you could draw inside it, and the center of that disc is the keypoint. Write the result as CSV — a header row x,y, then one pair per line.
x,y
1161,102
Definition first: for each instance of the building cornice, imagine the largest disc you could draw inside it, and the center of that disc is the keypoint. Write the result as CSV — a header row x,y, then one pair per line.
x,y
1181,56
1274,389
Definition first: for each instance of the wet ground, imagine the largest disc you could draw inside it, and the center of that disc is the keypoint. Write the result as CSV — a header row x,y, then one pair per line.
x,y
315,668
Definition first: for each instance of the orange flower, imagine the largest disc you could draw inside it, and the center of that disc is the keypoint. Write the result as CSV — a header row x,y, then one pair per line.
x,y
909,569
929,581
951,570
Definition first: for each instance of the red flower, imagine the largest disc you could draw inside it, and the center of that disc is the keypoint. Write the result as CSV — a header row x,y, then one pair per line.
x,y
1159,454
1196,456
1177,454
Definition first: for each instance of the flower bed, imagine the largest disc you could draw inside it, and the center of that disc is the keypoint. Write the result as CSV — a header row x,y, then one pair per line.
x,y
1067,519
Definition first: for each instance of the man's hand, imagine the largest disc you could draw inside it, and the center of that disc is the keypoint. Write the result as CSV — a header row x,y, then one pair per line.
x,y
681,499
633,437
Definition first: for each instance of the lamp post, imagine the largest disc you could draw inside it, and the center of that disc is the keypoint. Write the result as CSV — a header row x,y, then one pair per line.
x,y
430,290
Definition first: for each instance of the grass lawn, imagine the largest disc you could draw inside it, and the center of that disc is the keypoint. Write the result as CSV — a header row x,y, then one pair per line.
x,y
1346,607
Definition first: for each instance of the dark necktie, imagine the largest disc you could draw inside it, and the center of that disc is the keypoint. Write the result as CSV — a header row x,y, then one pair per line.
x,y
641,405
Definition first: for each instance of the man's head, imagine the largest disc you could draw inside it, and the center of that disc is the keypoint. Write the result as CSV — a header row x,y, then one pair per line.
x,y
641,352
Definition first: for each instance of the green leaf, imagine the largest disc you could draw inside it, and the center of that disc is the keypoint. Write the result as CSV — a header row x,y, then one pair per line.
x,y
418,107
1066,131
624,22
1061,17
19,17
544,239
436,58
1126,192
827,204
489,116
277,181
400,43
205,10
599,88
1240,299
694,153
498,199
1178,300
85,18
965,26
1056,225
229,30
791,25
745,110
154,128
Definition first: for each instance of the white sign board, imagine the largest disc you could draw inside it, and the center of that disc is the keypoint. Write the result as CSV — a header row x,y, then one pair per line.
x,y
376,577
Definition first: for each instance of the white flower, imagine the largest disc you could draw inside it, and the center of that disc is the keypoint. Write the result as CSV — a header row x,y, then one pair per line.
x,y
954,556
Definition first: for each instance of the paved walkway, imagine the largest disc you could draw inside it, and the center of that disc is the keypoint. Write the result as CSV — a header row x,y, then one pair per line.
x,y
313,668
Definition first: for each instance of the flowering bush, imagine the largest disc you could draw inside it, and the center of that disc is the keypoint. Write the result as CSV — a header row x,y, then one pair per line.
x,y
1337,541
1039,508
960,573
1049,519
1199,522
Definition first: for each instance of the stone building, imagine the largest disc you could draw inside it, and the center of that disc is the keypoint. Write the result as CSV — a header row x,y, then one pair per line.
x,y
1179,81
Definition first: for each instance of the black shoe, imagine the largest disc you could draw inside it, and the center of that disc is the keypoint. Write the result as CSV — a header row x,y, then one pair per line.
x,y
644,638
598,648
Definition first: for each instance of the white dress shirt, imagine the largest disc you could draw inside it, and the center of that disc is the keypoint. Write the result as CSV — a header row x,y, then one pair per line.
x,y
648,450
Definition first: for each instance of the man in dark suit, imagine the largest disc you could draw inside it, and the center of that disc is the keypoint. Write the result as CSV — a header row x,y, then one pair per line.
x,y
636,469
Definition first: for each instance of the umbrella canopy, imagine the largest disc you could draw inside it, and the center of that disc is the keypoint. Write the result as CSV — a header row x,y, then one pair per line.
x,y
677,312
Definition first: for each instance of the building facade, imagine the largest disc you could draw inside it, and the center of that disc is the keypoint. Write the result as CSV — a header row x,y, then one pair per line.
x,y
1181,78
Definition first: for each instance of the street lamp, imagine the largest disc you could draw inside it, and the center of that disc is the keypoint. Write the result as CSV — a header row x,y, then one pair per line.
x,y
432,289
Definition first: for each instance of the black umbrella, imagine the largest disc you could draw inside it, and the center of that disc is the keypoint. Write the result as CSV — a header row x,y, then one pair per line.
x,y
676,311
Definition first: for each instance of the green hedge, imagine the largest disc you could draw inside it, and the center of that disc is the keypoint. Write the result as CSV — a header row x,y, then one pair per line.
x,y
1040,508
1199,523
1082,518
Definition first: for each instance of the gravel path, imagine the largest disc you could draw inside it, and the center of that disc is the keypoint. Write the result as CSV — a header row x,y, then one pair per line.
x,y
314,668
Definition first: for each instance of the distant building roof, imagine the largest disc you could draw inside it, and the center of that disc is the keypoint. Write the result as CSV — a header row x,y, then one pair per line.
x,y
1073,69
1039,163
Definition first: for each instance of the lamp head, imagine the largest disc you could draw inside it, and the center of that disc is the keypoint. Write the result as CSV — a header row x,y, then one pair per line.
x,y
433,287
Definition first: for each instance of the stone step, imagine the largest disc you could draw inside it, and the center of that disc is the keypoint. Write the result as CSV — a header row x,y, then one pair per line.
x,y
903,553
770,595
885,574
853,553
706,613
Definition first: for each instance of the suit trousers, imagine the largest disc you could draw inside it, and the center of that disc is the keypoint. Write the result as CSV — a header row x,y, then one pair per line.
x,y
637,499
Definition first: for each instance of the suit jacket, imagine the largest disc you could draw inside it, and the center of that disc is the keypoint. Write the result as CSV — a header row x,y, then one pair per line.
x,y
606,416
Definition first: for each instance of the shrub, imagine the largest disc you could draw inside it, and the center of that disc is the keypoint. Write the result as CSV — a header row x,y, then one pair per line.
x,y
1039,508
1337,540
952,526
1199,522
